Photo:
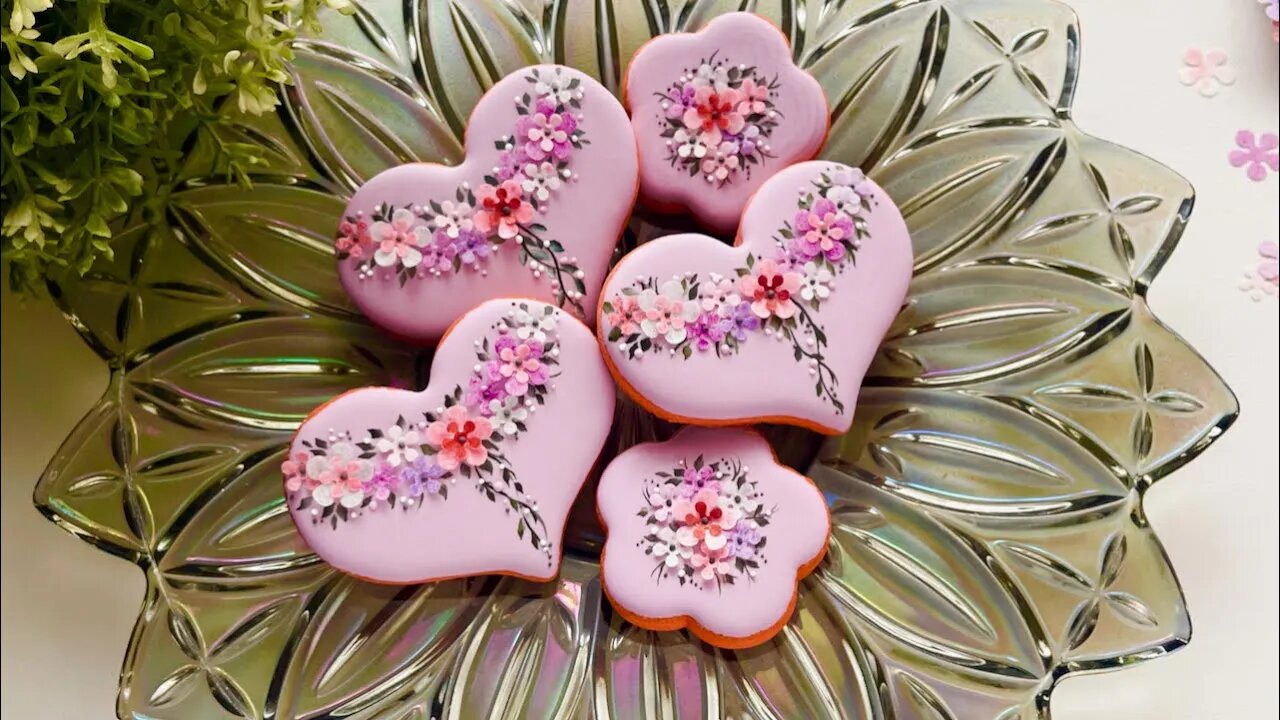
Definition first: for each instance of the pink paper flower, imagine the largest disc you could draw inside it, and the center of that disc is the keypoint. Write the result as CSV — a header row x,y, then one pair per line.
x,y
1256,154
1206,70
769,290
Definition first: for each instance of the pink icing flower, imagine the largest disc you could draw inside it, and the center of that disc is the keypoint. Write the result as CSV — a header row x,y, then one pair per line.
x,y
502,209
353,238
753,97
342,481
666,313
705,521
520,364
547,133
1257,153
459,438
1206,71
398,240
295,471
625,315
717,294
713,113
822,230
769,290
711,565
719,165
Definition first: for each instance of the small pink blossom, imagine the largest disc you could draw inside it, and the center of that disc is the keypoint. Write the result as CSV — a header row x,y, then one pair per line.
x,y
1206,70
502,209
1256,154
714,113
770,290
754,96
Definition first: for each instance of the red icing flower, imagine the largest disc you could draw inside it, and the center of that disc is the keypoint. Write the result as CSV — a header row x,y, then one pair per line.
x,y
713,113
770,290
502,208
459,438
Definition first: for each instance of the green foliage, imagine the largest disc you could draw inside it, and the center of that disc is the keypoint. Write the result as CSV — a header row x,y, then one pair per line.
x,y
100,97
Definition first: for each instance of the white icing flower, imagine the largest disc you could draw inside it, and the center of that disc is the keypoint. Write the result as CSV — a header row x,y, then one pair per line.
x,y
534,327
666,548
399,240
708,74
856,179
816,283
554,87
506,413
453,218
400,446
667,312
689,145
845,198
540,180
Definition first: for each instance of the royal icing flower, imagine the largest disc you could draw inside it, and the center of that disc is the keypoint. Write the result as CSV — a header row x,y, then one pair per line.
x,y
508,415
1256,154
722,163
459,437
754,94
540,180
556,87
705,521
438,255
1206,71
708,331
688,144
354,238
295,471
342,481
520,365
398,240
625,314
534,327
502,209
816,284
822,230
715,77
667,312
548,134
666,548
770,290
453,218
718,293
472,248
399,445
714,112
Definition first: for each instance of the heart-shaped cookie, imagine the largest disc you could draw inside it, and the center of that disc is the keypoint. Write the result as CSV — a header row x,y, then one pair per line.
x,y
707,531
780,327
534,210
473,475
717,112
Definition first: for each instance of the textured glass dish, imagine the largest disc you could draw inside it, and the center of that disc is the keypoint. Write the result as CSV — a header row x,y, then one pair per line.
x,y
989,532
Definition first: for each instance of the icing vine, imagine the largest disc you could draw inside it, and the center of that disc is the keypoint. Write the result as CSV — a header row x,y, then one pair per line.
x,y
409,465
717,119
705,523
463,233
778,295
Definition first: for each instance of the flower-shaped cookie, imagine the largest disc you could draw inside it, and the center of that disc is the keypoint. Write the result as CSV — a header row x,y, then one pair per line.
x,y
716,113
473,475
534,210
780,327
707,531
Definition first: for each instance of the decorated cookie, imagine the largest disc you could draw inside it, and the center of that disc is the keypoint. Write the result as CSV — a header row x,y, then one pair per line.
x,y
534,210
708,532
716,113
475,474
778,328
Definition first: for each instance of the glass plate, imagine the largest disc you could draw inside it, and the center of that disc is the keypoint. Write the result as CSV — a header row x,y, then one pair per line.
x,y
989,532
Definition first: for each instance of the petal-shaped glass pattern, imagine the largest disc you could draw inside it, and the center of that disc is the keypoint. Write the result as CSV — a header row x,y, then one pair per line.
x,y
989,535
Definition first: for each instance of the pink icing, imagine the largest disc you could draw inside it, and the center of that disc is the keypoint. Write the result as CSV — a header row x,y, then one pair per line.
x,y
750,45
462,531
584,213
796,532
729,381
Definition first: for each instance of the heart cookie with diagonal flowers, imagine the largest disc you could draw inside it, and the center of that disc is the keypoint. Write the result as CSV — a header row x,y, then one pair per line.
x,y
475,474
534,210
780,327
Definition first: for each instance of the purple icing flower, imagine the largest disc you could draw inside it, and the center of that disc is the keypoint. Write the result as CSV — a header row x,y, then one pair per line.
x,y
743,539
708,330
742,322
472,247
681,99
485,385
382,483
438,255
422,477
821,230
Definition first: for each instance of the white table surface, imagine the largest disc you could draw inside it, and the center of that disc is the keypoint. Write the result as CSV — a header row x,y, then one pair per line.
x,y
1217,517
